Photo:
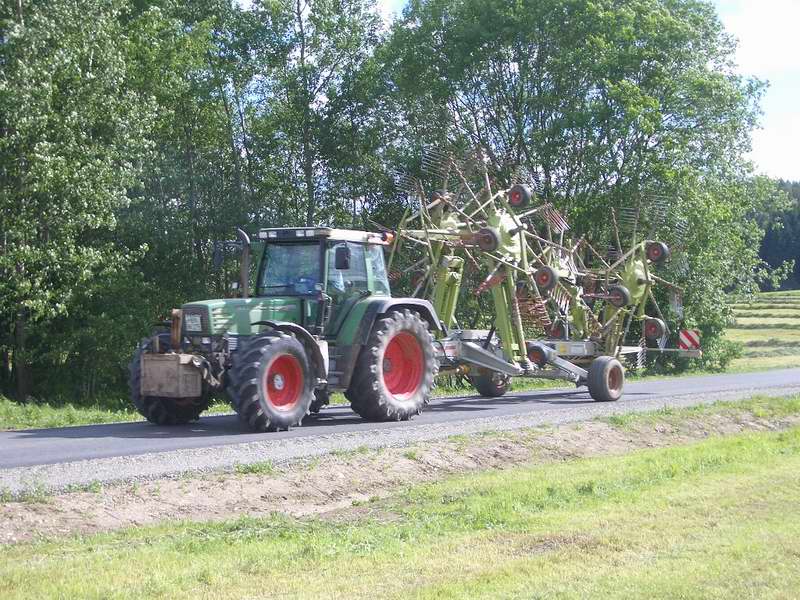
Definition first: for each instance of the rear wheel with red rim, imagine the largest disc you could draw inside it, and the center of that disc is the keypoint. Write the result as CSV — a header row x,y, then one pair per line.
x,y
403,365
393,375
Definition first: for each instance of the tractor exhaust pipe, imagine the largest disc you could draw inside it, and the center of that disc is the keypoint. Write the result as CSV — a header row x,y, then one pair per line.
x,y
244,274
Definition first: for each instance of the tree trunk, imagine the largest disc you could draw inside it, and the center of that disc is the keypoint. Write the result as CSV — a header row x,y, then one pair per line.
x,y
197,243
20,357
5,369
245,144
19,13
308,172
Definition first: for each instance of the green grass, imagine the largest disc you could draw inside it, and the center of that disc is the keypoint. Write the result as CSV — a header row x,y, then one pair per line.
x,y
761,407
771,322
717,519
266,467
20,416
41,415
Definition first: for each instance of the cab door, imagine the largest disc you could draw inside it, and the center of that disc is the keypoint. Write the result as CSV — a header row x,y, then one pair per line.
x,y
346,281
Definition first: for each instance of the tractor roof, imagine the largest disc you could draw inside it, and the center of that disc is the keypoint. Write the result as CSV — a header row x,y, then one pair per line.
x,y
344,235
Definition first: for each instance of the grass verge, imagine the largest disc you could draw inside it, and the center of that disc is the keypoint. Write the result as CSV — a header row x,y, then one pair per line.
x,y
42,415
715,519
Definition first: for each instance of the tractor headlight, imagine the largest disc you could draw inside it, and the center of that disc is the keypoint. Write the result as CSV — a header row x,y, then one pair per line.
x,y
193,322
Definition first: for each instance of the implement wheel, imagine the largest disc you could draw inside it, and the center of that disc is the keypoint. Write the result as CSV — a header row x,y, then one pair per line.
x,y
393,375
546,278
270,383
606,379
488,239
619,296
490,384
161,411
657,252
519,196
654,329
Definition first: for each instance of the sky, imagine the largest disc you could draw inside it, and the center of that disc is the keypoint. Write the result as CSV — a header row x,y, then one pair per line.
x,y
767,31
769,50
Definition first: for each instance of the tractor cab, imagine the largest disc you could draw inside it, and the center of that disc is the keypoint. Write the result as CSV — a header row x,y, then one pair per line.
x,y
326,271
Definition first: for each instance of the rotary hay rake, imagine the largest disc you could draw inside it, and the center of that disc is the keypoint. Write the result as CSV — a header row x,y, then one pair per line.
x,y
579,305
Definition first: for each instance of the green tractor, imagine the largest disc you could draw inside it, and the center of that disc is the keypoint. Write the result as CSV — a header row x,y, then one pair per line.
x,y
314,315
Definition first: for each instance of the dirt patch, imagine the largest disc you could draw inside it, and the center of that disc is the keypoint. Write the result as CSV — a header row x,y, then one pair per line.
x,y
340,486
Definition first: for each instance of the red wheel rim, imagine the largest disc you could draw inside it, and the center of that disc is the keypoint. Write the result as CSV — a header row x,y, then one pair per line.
x,y
655,252
543,278
283,382
652,330
615,378
403,365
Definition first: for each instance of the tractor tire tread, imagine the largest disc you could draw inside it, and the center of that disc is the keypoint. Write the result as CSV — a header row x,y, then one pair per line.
x,y
366,394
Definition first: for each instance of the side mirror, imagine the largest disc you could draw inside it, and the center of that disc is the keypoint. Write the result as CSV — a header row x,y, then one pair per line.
x,y
342,258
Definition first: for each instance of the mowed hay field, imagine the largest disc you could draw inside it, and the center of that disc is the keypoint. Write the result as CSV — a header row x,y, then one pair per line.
x,y
769,331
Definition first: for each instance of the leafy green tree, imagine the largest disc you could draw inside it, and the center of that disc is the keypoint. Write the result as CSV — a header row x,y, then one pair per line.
x,y
307,112
781,243
71,137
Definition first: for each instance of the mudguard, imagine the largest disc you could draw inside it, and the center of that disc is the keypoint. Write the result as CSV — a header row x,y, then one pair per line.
x,y
318,362
380,306
351,339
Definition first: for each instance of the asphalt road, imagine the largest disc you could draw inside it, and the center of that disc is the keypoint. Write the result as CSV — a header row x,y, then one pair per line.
x,y
20,449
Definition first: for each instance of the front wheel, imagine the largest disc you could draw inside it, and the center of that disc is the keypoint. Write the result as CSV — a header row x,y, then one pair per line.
x,y
270,382
490,384
158,410
394,373
606,379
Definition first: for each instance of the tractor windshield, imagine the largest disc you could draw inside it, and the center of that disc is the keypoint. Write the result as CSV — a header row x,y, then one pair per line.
x,y
290,269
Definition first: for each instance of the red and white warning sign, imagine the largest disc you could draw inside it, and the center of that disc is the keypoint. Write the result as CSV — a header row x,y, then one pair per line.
x,y
689,339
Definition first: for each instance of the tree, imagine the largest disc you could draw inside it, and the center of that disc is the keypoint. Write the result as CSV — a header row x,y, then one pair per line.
x,y
71,136
781,243
316,47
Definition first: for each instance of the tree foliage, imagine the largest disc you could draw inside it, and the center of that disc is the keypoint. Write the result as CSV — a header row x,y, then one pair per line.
x,y
72,136
781,245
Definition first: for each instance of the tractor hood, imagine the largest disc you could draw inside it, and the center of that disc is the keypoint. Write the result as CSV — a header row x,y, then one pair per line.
x,y
234,315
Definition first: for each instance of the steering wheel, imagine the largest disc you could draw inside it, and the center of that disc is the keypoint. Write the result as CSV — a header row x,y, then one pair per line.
x,y
305,284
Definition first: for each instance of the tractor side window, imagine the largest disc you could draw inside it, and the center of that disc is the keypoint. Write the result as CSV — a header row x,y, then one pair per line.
x,y
377,266
341,281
